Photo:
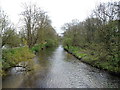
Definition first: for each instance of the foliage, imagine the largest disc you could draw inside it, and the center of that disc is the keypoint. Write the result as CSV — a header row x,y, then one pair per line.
x,y
36,33
76,51
48,43
37,26
11,57
8,32
98,37
37,48
95,58
10,38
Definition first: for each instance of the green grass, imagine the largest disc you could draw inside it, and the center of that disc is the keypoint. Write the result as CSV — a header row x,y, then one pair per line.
x,y
96,57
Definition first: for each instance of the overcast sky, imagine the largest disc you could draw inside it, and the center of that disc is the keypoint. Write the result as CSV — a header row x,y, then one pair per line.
x,y
59,11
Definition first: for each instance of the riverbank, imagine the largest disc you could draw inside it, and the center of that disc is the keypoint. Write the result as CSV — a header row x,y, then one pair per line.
x,y
59,69
93,59
13,56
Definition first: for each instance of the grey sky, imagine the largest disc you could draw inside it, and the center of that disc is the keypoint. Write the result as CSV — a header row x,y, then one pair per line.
x,y
59,11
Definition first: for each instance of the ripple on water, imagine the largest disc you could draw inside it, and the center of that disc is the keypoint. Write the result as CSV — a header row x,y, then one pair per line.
x,y
55,68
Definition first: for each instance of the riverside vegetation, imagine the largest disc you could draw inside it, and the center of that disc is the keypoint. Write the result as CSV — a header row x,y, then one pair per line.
x,y
12,57
35,34
97,39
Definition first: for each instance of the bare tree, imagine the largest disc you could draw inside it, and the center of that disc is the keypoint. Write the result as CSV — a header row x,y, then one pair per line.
x,y
35,21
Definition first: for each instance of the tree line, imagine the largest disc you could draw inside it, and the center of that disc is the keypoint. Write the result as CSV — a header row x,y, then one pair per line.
x,y
20,44
100,32
36,28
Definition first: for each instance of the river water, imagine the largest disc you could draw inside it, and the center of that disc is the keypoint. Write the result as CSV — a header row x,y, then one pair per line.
x,y
55,68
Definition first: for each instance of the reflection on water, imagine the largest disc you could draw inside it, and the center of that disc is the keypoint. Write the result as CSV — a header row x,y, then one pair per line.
x,y
55,68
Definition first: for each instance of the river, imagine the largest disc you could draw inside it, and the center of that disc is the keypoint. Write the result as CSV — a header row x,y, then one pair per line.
x,y
55,68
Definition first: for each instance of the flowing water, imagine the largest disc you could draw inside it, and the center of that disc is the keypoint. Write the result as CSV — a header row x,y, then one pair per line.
x,y
55,68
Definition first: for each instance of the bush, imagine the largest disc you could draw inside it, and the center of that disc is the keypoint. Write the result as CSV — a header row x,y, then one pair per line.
x,y
11,57
36,48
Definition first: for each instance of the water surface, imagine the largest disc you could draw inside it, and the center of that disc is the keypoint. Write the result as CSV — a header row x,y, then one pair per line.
x,y
55,68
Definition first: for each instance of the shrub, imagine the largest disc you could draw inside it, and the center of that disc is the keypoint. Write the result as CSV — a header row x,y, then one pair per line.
x,y
11,57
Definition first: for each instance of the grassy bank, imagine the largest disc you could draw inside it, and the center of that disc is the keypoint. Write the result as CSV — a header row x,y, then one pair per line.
x,y
98,58
11,57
